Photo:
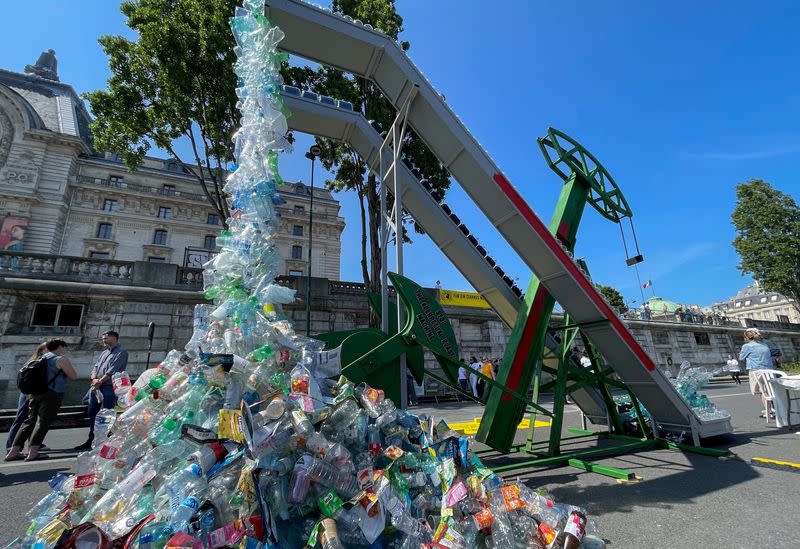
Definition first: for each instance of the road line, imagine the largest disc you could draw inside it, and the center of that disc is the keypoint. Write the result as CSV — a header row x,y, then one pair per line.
x,y
12,464
777,462
725,396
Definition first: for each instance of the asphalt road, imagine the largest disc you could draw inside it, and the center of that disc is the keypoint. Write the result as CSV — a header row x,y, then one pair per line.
x,y
682,500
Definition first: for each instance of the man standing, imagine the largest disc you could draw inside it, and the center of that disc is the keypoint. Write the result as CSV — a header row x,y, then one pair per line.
x,y
473,379
112,360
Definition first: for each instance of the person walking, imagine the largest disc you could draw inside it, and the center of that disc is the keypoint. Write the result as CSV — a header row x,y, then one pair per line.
x,y
586,362
487,369
43,407
111,361
463,379
732,366
22,402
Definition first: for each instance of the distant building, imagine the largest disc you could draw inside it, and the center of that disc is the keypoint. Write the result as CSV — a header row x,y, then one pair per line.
x,y
754,303
60,196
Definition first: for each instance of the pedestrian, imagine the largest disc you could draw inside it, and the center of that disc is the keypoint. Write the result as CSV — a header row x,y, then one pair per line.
x,y
645,312
463,379
679,314
487,369
438,285
43,407
732,366
22,402
775,353
473,379
411,392
575,355
586,362
112,360
755,351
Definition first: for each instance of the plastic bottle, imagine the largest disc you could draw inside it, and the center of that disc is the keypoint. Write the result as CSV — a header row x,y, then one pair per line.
x,y
180,517
103,423
329,535
188,481
122,388
502,535
271,438
329,476
574,529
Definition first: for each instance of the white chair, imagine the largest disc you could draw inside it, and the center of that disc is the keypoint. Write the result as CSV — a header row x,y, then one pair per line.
x,y
767,389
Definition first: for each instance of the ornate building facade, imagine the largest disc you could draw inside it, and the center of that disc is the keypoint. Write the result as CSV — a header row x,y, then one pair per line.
x,y
755,303
59,196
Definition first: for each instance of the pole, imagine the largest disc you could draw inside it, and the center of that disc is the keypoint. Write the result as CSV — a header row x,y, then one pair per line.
x,y
151,329
312,155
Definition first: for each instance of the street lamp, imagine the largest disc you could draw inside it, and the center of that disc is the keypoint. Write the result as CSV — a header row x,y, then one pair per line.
x,y
312,155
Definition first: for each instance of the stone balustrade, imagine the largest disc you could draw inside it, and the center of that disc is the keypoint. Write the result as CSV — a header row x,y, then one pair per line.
x,y
103,271
135,187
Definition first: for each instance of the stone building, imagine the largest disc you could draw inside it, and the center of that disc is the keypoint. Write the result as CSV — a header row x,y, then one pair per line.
x,y
60,196
755,303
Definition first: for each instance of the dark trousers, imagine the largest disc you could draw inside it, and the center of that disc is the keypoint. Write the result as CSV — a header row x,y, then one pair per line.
x,y
22,415
464,384
109,401
43,409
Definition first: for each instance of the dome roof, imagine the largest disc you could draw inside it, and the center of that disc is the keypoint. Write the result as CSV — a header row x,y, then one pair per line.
x,y
658,305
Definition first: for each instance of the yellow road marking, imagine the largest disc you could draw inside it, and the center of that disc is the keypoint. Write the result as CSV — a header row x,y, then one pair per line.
x,y
471,427
778,462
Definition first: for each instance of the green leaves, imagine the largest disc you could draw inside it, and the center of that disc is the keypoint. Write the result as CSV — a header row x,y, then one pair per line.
x,y
613,297
768,242
176,81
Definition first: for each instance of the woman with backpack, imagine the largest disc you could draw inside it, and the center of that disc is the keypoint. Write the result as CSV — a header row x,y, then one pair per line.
x,y
44,400
22,403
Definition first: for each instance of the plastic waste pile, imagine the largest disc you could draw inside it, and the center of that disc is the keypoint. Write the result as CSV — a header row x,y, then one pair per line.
x,y
688,382
251,438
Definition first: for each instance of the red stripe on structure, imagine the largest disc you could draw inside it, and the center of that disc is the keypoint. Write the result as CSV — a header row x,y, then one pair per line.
x,y
526,339
538,227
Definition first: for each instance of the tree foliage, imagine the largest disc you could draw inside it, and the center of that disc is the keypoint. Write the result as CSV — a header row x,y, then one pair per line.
x,y
613,297
175,82
767,223
351,173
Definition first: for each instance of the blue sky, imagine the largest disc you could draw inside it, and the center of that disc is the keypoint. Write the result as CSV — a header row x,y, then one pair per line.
x,y
680,102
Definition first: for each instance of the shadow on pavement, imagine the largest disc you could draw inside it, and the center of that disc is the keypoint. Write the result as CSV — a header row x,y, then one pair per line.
x,y
16,478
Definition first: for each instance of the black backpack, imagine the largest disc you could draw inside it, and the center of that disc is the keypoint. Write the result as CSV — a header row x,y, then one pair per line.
x,y
32,379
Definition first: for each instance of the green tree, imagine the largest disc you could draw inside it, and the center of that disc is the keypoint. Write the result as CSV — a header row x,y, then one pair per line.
x,y
767,223
613,297
174,82
350,171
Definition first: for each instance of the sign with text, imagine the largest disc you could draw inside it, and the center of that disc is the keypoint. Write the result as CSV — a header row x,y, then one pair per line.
x,y
462,299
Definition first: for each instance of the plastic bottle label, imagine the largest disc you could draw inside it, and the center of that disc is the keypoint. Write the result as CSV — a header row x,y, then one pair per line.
x,y
191,503
121,382
511,496
82,481
108,451
484,519
576,525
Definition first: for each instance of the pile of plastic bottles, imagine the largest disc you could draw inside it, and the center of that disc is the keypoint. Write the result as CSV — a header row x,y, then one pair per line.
x,y
251,438
688,382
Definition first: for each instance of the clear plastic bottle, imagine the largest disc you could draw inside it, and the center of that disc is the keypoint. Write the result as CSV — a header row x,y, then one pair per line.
x,y
122,388
502,534
103,423
329,535
329,476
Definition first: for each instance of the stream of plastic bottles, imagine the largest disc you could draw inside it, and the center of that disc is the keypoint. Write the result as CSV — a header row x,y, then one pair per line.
x,y
250,438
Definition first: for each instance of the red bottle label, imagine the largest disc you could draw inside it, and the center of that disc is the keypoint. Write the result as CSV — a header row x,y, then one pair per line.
x,y
82,481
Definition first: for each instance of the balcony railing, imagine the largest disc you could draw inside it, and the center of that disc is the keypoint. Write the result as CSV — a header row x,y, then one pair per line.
x,y
103,271
135,187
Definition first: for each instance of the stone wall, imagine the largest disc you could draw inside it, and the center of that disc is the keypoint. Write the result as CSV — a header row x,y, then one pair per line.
x,y
150,294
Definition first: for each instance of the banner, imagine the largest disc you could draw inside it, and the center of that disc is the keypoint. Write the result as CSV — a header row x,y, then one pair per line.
x,y
12,233
462,299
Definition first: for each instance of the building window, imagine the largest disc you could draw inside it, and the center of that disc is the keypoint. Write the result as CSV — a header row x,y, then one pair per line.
x,y
169,190
99,255
115,180
701,338
773,298
153,259
660,337
299,209
213,219
297,252
164,213
295,273
56,314
160,237
104,231
763,300
297,230
210,242
738,304
110,205
747,303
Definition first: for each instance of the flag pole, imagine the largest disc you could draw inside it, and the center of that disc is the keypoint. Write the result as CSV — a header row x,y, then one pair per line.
x,y
639,279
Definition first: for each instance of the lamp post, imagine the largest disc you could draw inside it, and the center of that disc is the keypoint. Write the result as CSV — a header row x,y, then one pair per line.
x,y
312,155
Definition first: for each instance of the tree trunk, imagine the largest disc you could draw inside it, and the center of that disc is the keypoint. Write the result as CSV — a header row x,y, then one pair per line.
x,y
374,215
364,268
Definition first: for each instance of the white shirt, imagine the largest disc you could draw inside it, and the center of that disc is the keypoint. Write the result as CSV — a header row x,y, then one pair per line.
x,y
733,365
462,373
586,362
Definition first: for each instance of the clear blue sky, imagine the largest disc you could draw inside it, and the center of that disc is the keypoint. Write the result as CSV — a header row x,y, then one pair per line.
x,y
680,102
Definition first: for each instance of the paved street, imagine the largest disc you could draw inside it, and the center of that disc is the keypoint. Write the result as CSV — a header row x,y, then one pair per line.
x,y
682,501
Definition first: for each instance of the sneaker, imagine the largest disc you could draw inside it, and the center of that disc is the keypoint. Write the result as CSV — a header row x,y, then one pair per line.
x,y
84,447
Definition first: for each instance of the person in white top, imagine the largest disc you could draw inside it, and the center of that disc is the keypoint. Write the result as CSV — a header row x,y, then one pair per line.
x,y
732,367
586,362
462,378
473,379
